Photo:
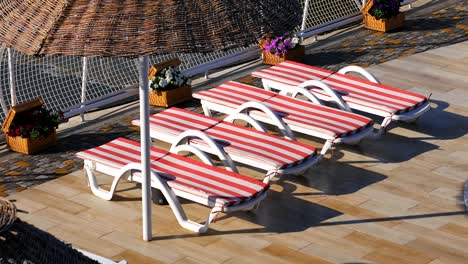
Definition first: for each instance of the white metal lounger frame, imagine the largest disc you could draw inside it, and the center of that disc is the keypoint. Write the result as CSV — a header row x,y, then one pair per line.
x,y
182,141
255,110
170,194
333,96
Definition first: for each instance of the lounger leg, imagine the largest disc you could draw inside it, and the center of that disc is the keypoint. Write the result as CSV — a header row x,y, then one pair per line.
x,y
412,120
206,110
265,85
90,167
212,216
326,146
176,207
383,127
253,208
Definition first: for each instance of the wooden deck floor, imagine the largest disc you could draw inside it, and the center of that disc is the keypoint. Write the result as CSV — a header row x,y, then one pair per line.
x,y
395,200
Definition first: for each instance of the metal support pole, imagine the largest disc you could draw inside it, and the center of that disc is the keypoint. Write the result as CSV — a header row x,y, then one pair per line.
x,y
145,148
2,98
304,15
11,72
84,81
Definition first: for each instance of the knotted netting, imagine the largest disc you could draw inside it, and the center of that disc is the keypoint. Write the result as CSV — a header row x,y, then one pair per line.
x,y
22,243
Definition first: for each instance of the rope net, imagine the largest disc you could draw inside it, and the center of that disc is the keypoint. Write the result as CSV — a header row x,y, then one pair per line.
x,y
324,11
58,79
22,243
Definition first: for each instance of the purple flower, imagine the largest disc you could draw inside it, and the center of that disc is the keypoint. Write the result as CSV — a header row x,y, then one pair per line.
x,y
280,45
385,9
287,43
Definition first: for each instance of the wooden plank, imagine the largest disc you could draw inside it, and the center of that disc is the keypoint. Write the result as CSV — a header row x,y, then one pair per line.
x,y
155,249
441,251
50,200
82,241
291,255
134,257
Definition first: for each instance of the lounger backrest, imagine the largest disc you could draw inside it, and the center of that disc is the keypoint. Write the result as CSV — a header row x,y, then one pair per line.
x,y
233,94
334,122
385,97
176,120
211,183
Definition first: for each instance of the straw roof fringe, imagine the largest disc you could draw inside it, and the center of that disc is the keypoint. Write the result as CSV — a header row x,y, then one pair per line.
x,y
140,27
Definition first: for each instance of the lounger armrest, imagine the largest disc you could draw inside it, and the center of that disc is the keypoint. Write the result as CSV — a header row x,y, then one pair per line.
x,y
323,86
90,167
180,145
293,92
369,76
277,120
239,116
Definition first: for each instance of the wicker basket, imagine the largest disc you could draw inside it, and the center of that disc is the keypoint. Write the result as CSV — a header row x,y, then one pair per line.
x,y
171,97
26,145
383,25
29,146
296,54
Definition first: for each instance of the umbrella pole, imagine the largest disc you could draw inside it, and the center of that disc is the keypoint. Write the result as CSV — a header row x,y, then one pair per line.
x,y
145,148
11,71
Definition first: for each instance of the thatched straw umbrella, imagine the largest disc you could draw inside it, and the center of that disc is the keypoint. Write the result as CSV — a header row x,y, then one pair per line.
x,y
138,28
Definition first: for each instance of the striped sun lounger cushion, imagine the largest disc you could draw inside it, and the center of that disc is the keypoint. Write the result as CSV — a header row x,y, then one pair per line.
x,y
332,122
272,151
353,90
223,187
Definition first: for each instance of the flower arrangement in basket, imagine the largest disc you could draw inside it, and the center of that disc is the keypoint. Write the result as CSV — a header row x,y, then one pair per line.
x,y
35,124
285,47
29,127
383,15
168,85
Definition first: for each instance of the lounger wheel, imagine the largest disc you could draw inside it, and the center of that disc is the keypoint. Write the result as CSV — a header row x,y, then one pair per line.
x,y
158,197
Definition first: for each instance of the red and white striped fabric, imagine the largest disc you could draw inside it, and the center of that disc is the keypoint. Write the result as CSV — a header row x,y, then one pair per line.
x,y
271,151
214,184
357,92
233,94
332,122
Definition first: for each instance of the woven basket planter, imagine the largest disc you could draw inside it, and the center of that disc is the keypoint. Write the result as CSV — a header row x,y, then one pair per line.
x,y
296,54
383,25
171,97
26,145
30,146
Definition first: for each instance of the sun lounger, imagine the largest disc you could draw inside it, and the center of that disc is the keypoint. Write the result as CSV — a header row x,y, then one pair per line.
x,y
174,175
249,146
333,125
348,92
